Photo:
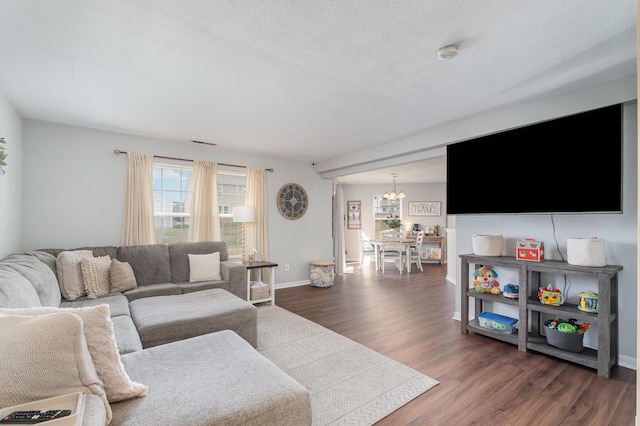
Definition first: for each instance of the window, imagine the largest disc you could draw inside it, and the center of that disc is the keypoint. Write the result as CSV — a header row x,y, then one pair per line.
x,y
231,191
382,208
170,193
171,198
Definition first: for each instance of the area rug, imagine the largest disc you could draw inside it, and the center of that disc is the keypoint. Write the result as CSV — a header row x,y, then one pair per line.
x,y
349,383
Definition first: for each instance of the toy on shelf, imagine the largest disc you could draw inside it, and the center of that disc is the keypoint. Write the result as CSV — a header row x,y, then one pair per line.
x,y
550,296
567,325
588,302
485,280
530,249
511,291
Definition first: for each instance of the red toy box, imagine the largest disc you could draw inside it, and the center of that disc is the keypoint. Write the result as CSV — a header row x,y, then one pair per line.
x,y
530,249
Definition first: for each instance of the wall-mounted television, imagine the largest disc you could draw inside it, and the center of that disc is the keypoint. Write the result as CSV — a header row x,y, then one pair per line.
x,y
571,164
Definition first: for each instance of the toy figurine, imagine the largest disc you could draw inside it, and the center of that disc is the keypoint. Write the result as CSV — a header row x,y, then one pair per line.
x,y
485,280
550,296
511,291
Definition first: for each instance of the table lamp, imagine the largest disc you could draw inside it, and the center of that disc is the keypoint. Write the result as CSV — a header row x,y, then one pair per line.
x,y
244,214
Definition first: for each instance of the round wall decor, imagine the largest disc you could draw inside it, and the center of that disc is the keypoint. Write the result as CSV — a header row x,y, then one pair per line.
x,y
292,201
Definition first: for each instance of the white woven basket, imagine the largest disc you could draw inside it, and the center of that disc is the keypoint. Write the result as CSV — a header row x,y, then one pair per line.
x,y
487,245
585,252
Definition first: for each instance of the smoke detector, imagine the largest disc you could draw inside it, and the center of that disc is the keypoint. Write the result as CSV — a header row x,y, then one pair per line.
x,y
447,52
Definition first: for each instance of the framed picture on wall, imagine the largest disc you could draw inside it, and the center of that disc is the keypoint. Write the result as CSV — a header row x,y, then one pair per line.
x,y
353,215
424,208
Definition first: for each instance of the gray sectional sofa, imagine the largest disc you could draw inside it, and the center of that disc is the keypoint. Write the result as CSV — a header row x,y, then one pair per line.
x,y
192,343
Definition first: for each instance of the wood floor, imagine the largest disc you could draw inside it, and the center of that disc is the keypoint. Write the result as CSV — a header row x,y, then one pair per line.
x,y
482,381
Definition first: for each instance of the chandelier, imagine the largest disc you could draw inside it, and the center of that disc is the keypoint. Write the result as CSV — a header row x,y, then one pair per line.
x,y
394,194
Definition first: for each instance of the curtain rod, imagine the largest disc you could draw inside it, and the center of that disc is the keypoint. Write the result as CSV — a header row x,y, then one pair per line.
x,y
117,151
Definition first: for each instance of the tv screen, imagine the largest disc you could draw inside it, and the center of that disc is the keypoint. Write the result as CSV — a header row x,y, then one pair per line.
x,y
567,165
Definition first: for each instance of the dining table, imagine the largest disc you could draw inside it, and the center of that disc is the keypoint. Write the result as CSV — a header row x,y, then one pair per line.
x,y
406,244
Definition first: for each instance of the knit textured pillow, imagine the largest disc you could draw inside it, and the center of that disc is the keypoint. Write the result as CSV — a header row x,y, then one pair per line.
x,y
96,276
43,356
101,341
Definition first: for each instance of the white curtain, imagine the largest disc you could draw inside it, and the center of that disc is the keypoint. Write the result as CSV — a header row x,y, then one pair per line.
x,y
138,226
338,229
257,233
204,223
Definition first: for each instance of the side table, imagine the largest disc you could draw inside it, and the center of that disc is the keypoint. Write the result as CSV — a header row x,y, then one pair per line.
x,y
259,265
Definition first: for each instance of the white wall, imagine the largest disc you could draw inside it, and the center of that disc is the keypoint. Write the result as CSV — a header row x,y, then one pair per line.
x,y
74,192
415,192
11,181
618,230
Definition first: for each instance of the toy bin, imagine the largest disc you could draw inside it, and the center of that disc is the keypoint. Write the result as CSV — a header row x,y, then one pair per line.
x,y
571,342
497,322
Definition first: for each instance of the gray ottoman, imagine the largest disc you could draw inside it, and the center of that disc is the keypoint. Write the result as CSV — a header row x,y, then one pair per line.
x,y
165,319
215,379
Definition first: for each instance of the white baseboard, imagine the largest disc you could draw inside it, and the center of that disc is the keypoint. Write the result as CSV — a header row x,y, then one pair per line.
x,y
627,362
292,284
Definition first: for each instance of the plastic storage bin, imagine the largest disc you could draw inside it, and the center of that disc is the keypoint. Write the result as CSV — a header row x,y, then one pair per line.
x,y
497,322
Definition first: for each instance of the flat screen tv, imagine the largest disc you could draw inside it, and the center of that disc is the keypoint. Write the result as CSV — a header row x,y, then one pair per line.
x,y
568,165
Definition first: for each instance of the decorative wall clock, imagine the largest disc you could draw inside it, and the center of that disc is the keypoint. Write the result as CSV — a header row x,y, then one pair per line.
x,y
292,201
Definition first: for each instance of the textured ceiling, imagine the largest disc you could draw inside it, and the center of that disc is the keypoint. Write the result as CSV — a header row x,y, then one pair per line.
x,y
307,80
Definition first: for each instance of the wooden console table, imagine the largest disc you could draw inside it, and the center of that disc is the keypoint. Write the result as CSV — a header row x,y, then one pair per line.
x,y
434,240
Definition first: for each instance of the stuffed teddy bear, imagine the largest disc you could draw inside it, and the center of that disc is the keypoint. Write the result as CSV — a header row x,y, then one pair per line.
x,y
485,280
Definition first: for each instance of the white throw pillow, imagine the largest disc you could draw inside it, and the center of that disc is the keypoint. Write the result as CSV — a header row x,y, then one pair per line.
x,y
70,274
101,341
44,356
204,267
96,275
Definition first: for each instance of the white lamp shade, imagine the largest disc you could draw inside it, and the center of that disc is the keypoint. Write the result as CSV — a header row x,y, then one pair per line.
x,y
244,214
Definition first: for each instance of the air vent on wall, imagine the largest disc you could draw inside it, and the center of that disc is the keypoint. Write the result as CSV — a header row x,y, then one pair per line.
x,y
205,143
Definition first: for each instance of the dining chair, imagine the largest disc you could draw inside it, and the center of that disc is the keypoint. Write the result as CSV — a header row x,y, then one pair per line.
x,y
366,247
392,250
415,249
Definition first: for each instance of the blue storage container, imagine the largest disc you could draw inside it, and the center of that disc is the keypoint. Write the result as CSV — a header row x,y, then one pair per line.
x,y
497,322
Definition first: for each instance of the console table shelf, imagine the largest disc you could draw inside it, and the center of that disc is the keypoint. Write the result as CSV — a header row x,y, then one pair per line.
x,y
529,335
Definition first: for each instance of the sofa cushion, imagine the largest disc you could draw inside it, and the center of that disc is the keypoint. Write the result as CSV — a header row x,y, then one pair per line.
x,y
204,267
43,356
150,263
100,340
234,384
203,285
46,258
179,253
151,290
96,276
118,304
70,274
122,277
165,319
15,290
127,337
98,251
38,274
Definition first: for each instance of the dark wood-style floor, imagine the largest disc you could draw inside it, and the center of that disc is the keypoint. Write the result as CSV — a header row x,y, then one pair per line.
x,y
482,381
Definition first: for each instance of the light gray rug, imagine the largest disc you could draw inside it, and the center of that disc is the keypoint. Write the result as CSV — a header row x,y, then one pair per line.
x,y
349,383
